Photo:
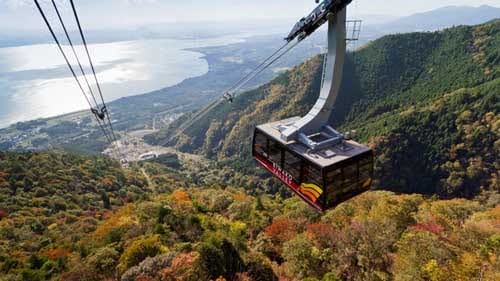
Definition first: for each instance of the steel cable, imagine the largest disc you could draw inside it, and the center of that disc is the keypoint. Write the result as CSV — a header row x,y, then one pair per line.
x,y
93,70
68,63
263,66
74,53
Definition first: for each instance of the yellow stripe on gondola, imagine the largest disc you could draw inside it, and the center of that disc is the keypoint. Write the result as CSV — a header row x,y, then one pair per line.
x,y
312,186
311,191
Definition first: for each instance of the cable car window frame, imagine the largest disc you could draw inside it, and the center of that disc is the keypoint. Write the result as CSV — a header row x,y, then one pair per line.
x,y
275,152
260,147
338,188
294,169
350,175
317,176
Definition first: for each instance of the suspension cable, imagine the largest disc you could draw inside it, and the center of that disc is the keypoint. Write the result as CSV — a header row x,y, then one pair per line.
x,y
258,67
104,107
74,53
69,64
62,51
86,49
197,116
248,79
93,71
263,66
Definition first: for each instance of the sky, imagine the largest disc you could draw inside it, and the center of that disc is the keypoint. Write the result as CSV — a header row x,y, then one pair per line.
x,y
22,15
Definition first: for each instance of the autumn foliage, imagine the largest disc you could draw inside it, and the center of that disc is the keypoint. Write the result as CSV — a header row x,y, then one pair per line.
x,y
281,229
180,196
55,254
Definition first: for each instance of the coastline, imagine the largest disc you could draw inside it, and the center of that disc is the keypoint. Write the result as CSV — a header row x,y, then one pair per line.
x,y
192,64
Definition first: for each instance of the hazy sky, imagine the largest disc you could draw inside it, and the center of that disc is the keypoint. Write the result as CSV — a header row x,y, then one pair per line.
x,y
21,14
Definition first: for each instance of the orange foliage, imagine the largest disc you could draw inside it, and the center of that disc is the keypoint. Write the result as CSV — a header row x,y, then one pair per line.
x,y
239,197
182,267
281,230
107,182
56,254
4,175
323,234
125,217
181,196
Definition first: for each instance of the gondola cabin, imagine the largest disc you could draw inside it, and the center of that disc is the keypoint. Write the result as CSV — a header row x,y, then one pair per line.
x,y
324,178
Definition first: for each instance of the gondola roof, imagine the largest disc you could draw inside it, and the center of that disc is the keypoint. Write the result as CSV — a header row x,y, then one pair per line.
x,y
324,158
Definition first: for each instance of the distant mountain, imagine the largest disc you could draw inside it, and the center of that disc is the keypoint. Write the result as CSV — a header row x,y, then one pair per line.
x,y
427,101
443,17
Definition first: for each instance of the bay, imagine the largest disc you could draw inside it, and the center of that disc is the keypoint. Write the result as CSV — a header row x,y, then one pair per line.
x,y
35,81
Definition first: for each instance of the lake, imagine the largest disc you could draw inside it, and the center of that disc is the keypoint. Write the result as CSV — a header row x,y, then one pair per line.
x,y
35,81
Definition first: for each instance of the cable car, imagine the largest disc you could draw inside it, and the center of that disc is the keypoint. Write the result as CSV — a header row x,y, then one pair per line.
x,y
319,164
323,178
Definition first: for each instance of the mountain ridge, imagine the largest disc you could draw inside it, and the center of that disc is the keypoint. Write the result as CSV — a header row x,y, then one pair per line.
x,y
427,103
444,17
386,78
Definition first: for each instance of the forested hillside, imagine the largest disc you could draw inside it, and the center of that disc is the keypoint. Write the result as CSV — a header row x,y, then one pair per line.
x,y
68,217
427,102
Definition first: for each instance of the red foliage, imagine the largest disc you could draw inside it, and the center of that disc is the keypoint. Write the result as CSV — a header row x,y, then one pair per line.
x,y
3,213
182,267
323,234
107,215
184,260
282,230
357,227
431,227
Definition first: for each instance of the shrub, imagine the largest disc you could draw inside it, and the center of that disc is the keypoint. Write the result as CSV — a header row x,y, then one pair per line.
x,y
186,267
139,250
104,261
223,260
258,268
301,261
150,267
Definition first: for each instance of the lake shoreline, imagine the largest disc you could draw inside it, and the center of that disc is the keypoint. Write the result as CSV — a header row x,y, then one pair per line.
x,y
25,89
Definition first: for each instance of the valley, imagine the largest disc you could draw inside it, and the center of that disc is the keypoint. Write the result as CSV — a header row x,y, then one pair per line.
x,y
197,207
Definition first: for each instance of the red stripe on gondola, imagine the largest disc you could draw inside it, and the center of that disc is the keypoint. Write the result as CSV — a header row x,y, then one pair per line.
x,y
292,185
